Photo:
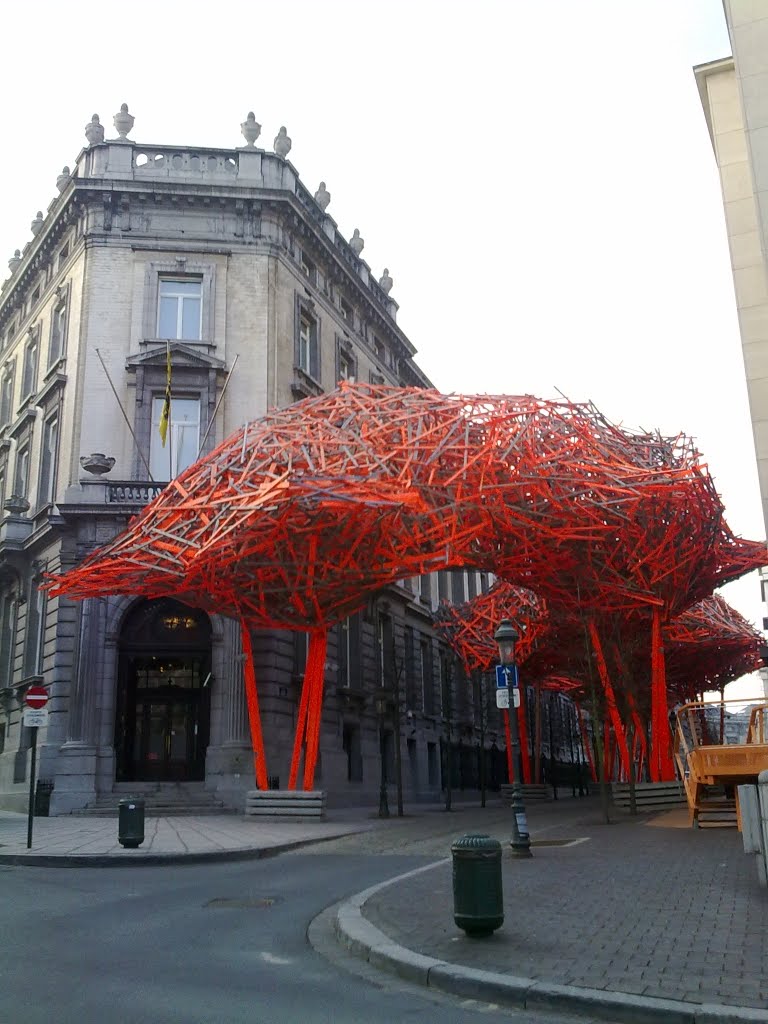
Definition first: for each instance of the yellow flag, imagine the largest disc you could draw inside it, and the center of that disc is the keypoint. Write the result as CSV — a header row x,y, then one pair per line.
x,y
165,415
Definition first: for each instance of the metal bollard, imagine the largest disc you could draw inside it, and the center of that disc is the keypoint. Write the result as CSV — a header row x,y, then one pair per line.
x,y
130,832
478,900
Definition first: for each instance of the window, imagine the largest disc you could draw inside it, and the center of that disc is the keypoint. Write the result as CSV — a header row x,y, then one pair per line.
x,y
179,309
58,334
457,587
7,637
64,253
347,367
21,475
308,268
472,584
427,680
35,629
442,586
410,667
349,651
379,349
182,440
29,374
347,313
6,395
352,748
484,583
305,344
307,341
386,651
48,461
425,588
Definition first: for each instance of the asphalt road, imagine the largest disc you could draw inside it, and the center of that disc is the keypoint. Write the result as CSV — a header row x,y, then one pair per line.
x,y
202,944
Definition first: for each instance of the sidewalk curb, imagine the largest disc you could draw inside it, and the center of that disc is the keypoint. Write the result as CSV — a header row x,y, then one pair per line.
x,y
134,858
364,940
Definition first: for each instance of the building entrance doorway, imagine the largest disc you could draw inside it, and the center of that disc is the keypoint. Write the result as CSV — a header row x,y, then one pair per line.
x,y
163,708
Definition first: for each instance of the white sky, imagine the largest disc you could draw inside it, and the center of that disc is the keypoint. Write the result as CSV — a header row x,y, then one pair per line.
x,y
537,176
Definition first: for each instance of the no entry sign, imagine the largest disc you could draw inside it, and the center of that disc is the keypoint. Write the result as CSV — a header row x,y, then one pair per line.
x,y
36,697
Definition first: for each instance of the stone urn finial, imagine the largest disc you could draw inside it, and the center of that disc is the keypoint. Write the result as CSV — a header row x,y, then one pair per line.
x,y
14,261
97,463
123,122
356,243
386,282
63,178
94,130
322,197
37,224
17,505
282,143
250,130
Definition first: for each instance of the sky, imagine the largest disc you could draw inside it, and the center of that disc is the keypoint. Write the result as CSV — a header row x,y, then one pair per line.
x,y
536,176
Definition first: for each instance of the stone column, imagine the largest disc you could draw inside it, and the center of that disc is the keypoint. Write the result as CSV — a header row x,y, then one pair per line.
x,y
229,760
75,782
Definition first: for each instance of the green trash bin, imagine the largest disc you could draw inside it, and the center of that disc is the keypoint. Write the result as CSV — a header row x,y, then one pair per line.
x,y
478,900
130,831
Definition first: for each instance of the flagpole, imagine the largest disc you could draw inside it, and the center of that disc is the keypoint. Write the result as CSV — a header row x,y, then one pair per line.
x,y
221,399
170,417
127,421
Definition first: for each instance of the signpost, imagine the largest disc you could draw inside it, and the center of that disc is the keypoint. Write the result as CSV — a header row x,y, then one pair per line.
x,y
35,714
506,679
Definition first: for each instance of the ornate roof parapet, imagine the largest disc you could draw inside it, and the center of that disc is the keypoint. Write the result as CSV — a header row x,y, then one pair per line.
x,y
128,163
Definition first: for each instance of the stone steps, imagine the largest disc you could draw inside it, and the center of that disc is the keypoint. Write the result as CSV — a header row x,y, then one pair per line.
x,y
160,801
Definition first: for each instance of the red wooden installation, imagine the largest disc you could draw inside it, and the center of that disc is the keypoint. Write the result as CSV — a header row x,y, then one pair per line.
x,y
296,520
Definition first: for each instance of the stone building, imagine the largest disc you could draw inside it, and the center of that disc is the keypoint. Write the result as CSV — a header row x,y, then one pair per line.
x,y
226,260
734,97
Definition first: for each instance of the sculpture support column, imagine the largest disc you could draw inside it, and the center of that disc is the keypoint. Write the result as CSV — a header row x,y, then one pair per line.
x,y
259,759
662,765
610,699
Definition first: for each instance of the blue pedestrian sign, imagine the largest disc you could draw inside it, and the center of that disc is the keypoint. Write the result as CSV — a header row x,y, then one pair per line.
x,y
506,675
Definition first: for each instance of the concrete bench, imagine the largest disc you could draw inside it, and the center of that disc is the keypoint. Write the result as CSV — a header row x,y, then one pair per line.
x,y
289,804
650,796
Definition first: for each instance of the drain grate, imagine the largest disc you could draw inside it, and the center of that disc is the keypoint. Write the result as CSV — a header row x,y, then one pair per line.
x,y
559,842
243,904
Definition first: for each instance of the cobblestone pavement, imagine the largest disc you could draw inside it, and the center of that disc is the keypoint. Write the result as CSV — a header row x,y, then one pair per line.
x,y
653,911
72,839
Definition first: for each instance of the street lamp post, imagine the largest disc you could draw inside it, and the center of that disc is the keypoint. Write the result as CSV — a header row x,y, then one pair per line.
x,y
381,711
506,636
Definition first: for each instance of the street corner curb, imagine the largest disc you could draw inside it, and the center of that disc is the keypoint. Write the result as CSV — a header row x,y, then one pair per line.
x,y
127,860
364,940
403,962
472,983
609,1006
355,933
711,1013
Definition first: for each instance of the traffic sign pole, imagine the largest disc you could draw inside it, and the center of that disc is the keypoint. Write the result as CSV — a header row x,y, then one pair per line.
x,y
33,766
36,699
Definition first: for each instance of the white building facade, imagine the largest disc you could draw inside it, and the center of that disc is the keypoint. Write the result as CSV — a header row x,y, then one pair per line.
x,y
734,96
225,259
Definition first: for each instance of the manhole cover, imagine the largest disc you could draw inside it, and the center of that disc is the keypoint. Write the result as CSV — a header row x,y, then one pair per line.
x,y
238,904
558,842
